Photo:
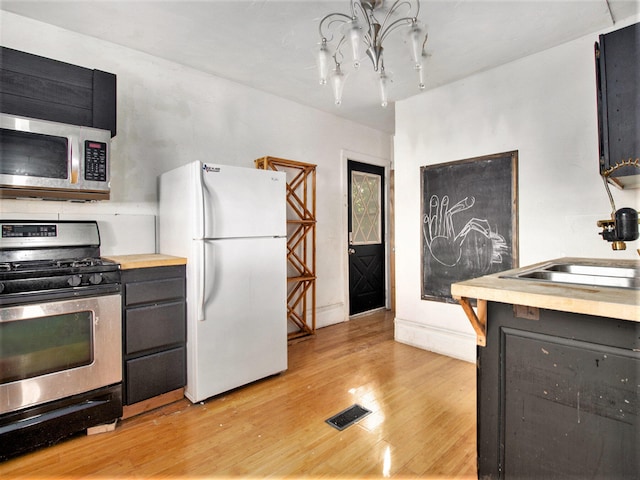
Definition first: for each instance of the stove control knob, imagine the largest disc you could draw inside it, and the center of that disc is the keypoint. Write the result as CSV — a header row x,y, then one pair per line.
x,y
74,280
95,278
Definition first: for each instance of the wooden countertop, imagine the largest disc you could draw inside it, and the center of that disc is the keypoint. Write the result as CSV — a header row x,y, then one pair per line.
x,y
608,302
146,260
602,301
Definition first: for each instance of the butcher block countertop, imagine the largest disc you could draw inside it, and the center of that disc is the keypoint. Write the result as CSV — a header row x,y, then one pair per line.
x,y
602,301
610,302
146,260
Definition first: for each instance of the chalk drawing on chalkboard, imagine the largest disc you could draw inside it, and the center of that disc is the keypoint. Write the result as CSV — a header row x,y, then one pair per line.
x,y
446,245
469,221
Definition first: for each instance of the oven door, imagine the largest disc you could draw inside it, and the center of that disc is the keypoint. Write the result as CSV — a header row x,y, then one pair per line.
x,y
55,349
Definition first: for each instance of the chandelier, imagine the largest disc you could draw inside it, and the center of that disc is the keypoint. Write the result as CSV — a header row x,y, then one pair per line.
x,y
362,30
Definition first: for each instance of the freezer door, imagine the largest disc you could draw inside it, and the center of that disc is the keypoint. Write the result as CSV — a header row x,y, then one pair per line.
x,y
242,336
243,202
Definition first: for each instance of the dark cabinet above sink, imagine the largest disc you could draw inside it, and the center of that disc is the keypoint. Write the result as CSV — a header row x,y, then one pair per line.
x,y
618,81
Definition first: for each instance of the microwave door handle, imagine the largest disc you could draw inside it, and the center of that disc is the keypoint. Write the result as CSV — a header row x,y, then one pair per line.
x,y
74,154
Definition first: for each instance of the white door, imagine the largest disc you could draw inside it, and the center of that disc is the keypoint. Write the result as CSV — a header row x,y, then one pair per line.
x,y
243,202
243,336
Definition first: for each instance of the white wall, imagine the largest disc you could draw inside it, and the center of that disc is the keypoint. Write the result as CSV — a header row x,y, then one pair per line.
x,y
544,106
169,115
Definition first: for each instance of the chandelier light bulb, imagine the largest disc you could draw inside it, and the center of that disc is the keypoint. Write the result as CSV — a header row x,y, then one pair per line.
x,y
384,84
355,34
323,63
421,84
414,39
337,83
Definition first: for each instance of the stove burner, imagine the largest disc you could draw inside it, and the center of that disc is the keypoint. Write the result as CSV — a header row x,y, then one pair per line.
x,y
84,262
46,276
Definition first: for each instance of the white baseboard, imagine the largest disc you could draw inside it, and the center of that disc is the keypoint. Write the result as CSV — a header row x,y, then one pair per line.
x,y
446,342
325,316
331,314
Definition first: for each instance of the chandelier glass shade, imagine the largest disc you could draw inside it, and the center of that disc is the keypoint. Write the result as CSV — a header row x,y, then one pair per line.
x,y
362,30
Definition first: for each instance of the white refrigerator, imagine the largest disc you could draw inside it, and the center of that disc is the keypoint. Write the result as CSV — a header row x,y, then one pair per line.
x,y
230,223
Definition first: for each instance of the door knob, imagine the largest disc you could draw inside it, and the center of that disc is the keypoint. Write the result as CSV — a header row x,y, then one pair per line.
x,y
351,251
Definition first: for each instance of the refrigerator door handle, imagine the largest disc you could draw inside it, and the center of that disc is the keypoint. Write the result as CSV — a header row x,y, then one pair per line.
x,y
203,276
203,263
202,187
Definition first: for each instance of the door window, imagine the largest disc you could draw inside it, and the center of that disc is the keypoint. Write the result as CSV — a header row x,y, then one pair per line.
x,y
366,211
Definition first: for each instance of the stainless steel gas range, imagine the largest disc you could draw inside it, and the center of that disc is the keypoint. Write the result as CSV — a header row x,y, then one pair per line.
x,y
60,333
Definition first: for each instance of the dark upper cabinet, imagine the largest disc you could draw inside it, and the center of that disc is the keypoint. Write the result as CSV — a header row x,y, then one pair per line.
x,y
618,76
39,87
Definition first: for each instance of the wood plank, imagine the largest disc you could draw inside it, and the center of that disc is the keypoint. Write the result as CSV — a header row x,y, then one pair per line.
x,y
478,321
129,411
423,414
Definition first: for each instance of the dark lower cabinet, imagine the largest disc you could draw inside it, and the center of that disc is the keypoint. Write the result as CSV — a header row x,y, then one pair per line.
x,y
154,332
152,375
558,397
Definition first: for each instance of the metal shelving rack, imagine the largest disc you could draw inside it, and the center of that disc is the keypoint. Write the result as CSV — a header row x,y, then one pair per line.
x,y
301,242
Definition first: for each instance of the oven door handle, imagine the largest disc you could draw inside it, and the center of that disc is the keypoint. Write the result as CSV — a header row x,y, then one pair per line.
x,y
24,298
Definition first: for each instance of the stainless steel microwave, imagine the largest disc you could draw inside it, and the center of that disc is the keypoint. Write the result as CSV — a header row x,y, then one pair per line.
x,y
42,159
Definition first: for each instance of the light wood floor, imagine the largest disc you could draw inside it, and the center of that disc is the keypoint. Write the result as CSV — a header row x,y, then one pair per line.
x,y
422,425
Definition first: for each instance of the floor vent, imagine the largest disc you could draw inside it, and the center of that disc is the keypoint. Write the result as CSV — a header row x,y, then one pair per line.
x,y
348,417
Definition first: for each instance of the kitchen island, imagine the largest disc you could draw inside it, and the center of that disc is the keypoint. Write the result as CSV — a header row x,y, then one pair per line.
x,y
558,374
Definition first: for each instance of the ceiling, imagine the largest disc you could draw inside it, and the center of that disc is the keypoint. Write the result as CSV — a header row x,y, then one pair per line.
x,y
271,45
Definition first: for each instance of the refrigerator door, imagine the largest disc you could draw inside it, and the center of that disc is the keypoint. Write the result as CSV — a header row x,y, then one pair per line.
x,y
243,202
242,334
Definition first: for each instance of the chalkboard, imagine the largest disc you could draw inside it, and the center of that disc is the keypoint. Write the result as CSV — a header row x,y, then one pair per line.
x,y
469,221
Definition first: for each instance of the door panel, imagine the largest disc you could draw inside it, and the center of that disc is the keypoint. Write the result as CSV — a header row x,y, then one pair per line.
x,y
367,280
244,202
243,336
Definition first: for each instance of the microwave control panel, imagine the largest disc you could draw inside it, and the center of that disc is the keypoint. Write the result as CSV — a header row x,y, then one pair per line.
x,y
95,161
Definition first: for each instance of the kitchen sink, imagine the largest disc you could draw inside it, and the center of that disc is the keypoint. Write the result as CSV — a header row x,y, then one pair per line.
x,y
583,274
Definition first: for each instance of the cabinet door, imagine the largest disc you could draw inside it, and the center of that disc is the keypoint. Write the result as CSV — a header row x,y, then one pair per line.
x,y
155,374
570,408
558,397
154,326
619,100
158,290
